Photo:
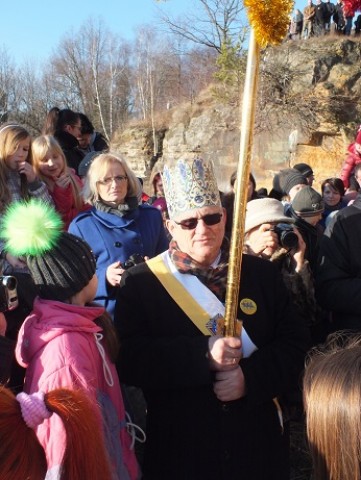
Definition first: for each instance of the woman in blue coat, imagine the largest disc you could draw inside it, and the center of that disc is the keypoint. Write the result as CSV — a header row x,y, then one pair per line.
x,y
117,227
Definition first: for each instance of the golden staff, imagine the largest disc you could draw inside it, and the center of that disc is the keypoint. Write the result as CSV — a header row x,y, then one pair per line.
x,y
269,21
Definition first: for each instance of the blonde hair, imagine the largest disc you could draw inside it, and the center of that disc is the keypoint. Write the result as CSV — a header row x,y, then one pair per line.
x,y
41,146
332,396
10,137
98,169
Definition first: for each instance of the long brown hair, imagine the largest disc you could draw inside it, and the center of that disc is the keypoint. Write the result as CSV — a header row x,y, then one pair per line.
x,y
332,395
21,455
11,134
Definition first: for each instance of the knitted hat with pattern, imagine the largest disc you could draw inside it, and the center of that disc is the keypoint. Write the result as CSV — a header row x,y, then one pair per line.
x,y
307,202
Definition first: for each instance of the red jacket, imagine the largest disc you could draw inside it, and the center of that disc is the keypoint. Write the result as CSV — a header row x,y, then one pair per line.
x,y
64,201
352,159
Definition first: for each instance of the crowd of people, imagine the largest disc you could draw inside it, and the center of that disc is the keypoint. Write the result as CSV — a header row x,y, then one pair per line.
x,y
117,289
324,17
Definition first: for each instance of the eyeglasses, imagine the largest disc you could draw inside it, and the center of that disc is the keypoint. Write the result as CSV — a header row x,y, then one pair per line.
x,y
109,180
209,220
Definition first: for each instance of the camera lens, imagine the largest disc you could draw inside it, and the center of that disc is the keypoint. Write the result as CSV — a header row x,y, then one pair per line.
x,y
9,282
288,239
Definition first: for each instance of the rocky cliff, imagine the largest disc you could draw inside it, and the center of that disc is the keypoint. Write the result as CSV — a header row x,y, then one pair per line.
x,y
308,110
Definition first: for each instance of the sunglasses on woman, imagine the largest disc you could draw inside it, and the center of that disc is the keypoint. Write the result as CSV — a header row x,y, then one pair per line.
x,y
209,220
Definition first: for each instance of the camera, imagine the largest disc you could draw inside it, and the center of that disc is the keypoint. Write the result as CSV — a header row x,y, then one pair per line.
x,y
286,235
133,260
8,293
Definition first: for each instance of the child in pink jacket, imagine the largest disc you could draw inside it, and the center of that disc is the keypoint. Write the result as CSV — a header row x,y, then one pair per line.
x,y
67,342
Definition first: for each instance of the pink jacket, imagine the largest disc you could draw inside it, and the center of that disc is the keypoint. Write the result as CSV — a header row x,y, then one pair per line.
x,y
352,159
59,345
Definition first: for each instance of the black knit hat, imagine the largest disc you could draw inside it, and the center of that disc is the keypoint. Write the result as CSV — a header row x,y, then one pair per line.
x,y
293,179
303,168
277,191
64,270
307,202
60,264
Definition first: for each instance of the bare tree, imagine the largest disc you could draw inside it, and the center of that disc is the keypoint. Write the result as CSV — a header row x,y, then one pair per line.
x,y
7,85
91,74
217,21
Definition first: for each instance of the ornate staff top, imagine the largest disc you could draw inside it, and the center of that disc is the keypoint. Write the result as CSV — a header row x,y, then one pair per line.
x,y
269,19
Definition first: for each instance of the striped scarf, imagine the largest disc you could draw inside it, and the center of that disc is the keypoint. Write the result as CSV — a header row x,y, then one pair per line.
x,y
214,278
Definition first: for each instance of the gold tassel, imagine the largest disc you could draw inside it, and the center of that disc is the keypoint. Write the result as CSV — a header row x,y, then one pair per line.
x,y
269,19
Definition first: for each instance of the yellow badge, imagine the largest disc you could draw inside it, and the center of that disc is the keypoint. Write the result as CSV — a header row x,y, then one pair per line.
x,y
248,306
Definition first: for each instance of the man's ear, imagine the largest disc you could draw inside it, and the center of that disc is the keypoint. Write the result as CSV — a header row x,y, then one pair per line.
x,y
224,218
170,226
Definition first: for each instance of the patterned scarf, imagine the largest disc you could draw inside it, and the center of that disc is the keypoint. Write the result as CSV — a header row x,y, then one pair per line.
x,y
214,278
120,210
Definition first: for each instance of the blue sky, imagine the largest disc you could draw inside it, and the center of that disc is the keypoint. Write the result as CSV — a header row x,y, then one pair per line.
x,y
31,30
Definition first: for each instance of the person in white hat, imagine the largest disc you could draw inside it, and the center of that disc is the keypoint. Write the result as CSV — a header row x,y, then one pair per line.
x,y
271,235
211,412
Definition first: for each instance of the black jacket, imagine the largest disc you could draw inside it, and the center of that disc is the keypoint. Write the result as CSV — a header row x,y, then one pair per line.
x,y
7,348
338,278
70,146
190,434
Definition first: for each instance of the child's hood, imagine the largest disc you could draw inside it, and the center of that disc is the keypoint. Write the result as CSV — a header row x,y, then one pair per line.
x,y
50,319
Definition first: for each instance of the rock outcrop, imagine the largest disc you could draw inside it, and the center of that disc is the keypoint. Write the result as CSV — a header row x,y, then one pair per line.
x,y
308,110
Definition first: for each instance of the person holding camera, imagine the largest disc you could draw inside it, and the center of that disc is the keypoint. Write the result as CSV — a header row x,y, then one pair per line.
x,y
270,234
117,226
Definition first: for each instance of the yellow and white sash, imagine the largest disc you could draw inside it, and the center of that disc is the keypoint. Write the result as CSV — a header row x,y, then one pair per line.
x,y
200,305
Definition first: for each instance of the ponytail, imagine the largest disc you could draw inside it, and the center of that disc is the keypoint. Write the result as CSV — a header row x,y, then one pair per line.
x,y
21,455
56,120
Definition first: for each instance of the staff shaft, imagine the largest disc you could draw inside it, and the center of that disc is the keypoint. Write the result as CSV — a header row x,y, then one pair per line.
x,y
248,106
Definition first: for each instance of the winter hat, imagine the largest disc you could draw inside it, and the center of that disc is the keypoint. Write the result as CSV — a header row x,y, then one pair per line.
x,y
86,162
294,178
278,183
303,168
60,264
307,202
264,210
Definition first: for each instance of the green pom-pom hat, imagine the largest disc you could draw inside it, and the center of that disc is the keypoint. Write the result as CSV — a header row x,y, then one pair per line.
x,y
61,264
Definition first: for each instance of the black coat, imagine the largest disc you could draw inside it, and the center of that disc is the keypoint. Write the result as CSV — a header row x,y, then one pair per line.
x,y
190,434
70,146
338,277
7,348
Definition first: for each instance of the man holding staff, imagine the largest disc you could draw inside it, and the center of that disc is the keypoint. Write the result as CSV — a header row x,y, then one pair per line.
x,y
212,411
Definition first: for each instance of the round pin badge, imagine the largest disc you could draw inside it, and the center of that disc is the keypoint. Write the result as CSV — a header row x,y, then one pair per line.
x,y
248,306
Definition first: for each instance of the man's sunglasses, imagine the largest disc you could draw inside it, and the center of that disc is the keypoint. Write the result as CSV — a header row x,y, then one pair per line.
x,y
191,223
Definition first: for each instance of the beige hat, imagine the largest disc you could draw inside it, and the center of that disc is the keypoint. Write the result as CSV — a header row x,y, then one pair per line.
x,y
265,210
